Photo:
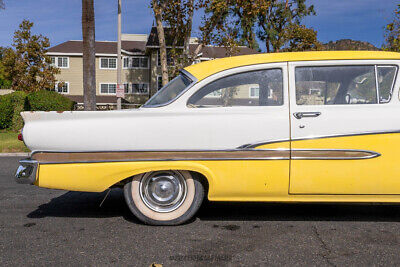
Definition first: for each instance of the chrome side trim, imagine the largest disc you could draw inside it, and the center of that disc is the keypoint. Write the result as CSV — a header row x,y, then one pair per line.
x,y
182,159
166,150
370,154
188,75
365,154
26,172
254,145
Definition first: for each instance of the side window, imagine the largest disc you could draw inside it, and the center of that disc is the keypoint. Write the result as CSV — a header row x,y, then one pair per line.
x,y
253,88
386,78
338,85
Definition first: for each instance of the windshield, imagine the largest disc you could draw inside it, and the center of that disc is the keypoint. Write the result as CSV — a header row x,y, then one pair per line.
x,y
169,92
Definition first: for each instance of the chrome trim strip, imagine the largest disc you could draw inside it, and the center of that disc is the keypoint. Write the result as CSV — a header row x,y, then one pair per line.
x,y
254,145
185,73
393,82
377,85
183,159
370,154
166,150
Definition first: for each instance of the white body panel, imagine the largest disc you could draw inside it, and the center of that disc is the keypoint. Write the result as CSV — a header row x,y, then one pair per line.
x,y
173,127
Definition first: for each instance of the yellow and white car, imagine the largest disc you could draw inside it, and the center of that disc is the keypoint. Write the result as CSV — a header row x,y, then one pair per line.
x,y
284,127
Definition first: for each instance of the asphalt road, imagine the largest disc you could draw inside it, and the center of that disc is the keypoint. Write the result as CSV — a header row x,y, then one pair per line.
x,y
42,227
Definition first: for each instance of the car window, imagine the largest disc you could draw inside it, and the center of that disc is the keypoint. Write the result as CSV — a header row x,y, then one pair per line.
x,y
169,92
253,88
338,85
386,78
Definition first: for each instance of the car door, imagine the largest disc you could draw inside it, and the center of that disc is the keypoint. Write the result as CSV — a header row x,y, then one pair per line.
x,y
244,111
345,123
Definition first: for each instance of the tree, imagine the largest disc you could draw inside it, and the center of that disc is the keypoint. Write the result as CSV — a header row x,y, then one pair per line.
x,y
220,26
2,5
89,55
27,65
392,35
4,82
159,9
300,38
230,23
178,16
277,18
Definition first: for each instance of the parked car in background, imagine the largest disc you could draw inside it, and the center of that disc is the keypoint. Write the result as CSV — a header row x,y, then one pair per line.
x,y
284,127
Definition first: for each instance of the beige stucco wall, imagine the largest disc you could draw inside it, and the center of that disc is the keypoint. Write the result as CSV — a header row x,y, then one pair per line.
x,y
74,76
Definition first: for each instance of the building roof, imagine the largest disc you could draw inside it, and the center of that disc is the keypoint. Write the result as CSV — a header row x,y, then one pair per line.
x,y
110,48
102,47
205,69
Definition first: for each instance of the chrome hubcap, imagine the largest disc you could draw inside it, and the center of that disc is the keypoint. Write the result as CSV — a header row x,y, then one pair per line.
x,y
163,191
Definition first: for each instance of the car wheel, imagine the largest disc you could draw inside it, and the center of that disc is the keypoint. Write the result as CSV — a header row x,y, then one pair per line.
x,y
164,197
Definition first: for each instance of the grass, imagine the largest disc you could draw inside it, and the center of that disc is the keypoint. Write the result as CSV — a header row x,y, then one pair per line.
x,y
9,142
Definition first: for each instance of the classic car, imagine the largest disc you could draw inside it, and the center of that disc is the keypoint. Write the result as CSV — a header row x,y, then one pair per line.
x,y
281,127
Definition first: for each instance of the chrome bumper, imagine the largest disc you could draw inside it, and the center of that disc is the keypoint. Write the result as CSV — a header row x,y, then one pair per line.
x,y
26,172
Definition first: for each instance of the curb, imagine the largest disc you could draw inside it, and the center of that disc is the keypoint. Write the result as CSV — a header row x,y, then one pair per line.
x,y
14,154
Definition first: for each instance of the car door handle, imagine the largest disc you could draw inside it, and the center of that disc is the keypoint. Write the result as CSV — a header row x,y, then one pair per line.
x,y
299,115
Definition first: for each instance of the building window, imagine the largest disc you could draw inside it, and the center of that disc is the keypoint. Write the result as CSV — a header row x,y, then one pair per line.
x,y
254,92
140,88
60,62
108,63
126,62
144,62
169,58
126,87
108,88
136,63
62,87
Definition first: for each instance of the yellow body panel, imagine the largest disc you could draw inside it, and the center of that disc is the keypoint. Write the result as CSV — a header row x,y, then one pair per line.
x,y
205,69
380,175
363,180
228,180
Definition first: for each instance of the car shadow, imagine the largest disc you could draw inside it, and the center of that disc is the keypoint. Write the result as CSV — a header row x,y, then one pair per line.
x,y
87,205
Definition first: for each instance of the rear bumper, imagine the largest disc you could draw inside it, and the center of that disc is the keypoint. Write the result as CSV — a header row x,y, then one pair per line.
x,y
26,172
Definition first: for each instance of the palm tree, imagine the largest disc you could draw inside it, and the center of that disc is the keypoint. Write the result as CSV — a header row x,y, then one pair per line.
x,y
89,55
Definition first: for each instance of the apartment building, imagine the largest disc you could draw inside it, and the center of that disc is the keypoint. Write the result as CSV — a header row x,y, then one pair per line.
x,y
141,72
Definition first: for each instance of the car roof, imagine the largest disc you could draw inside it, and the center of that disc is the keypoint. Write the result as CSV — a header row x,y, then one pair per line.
x,y
207,68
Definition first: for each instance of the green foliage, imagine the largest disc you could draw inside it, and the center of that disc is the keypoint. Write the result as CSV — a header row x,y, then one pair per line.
x,y
4,82
277,19
27,65
18,102
392,36
6,111
301,38
11,105
48,101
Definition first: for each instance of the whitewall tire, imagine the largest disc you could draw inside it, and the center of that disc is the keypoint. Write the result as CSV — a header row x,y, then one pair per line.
x,y
167,197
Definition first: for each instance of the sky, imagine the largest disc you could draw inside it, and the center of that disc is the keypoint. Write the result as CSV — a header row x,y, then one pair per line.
x,y
60,20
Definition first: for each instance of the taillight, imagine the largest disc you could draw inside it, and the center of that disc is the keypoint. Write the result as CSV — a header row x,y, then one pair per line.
x,y
20,138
